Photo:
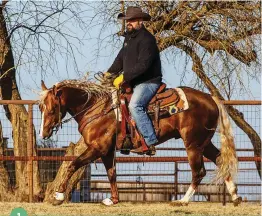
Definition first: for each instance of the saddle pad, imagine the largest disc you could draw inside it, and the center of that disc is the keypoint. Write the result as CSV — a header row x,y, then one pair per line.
x,y
180,106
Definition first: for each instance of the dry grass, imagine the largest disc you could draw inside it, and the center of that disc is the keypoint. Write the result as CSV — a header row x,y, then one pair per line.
x,y
134,209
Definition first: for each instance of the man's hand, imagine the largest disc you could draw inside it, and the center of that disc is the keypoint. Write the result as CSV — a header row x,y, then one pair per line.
x,y
108,79
117,82
107,75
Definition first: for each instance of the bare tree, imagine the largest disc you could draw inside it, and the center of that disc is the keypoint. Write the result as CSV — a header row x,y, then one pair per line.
x,y
221,38
32,33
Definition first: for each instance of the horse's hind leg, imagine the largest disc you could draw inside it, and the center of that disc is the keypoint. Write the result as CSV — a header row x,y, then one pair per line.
x,y
195,158
109,162
85,158
212,153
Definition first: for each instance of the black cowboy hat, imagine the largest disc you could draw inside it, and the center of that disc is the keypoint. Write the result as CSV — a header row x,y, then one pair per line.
x,y
134,13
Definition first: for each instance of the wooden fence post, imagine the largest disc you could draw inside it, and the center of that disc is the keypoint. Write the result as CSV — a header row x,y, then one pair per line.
x,y
224,194
30,152
176,180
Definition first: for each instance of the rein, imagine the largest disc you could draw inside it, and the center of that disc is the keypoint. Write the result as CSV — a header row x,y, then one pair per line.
x,y
87,121
59,123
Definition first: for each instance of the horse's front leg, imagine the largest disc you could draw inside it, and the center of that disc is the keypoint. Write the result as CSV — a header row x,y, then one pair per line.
x,y
109,162
89,155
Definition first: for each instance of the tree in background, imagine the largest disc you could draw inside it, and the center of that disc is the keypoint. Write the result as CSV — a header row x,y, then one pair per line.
x,y
32,33
220,38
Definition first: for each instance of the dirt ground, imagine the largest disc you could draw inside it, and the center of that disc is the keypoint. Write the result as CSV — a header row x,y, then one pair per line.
x,y
133,209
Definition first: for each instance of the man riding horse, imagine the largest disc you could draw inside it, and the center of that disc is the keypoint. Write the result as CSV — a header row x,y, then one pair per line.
x,y
90,105
140,60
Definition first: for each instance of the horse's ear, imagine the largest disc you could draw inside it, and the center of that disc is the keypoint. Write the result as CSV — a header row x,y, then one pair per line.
x,y
57,92
43,85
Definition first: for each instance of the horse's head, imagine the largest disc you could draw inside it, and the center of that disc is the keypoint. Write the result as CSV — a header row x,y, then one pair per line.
x,y
51,109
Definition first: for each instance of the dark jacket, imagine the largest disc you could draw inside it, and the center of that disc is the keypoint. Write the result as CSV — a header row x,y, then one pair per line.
x,y
139,58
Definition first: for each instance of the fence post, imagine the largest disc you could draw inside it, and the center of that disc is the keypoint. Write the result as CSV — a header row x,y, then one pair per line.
x,y
144,192
30,152
176,180
224,194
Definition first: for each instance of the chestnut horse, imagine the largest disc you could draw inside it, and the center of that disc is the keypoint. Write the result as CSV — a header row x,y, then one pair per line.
x,y
196,126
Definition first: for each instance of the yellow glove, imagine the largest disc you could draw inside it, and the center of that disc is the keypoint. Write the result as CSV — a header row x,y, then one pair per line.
x,y
107,75
118,81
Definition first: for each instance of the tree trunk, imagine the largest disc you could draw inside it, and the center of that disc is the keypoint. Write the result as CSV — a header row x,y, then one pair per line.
x,y
52,187
5,195
233,112
17,115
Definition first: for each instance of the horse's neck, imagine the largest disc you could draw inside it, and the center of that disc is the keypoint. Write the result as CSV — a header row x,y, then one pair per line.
x,y
79,105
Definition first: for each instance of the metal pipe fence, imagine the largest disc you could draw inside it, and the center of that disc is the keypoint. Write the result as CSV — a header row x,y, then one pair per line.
x,y
160,178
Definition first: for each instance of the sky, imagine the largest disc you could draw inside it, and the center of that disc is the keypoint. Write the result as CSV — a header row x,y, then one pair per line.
x,y
171,74
29,83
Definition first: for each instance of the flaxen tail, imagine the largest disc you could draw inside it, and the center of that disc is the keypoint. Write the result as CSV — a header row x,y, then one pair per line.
x,y
227,163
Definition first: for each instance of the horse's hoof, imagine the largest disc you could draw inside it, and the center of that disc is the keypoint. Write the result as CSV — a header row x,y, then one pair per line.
x,y
57,202
237,201
108,202
58,199
179,203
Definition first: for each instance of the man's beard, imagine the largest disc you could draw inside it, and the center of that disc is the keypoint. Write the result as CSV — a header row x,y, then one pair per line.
x,y
130,29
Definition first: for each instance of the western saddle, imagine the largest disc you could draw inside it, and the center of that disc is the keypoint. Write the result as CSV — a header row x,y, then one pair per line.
x,y
158,108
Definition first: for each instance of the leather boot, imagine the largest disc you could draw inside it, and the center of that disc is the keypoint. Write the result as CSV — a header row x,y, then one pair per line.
x,y
151,150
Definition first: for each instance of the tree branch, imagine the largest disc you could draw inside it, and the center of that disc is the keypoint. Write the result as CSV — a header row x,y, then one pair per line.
x,y
4,4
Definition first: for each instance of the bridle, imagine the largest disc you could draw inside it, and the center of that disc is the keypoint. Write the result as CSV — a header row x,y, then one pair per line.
x,y
87,121
59,123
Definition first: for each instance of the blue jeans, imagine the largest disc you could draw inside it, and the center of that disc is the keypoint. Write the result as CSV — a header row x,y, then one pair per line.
x,y
141,97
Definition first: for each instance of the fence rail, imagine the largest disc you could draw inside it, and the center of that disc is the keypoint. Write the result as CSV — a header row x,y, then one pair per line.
x,y
118,159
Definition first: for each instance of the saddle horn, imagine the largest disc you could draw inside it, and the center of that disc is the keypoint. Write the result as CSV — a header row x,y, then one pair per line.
x,y
43,85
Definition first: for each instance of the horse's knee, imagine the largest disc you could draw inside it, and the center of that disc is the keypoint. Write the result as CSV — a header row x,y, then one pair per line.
x,y
202,172
211,152
198,176
75,165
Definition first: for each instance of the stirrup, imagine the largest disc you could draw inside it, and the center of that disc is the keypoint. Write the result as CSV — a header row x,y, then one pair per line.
x,y
125,151
151,151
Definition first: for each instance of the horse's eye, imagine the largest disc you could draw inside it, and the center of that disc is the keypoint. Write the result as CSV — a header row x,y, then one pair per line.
x,y
41,107
51,112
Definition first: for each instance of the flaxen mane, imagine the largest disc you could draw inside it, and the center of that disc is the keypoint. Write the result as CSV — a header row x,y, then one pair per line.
x,y
91,88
